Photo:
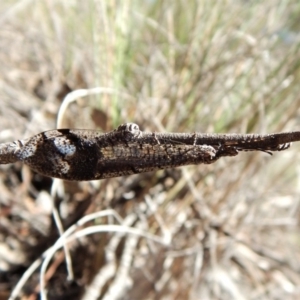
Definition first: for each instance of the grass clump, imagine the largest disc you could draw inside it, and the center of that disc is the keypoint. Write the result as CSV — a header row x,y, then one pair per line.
x,y
208,66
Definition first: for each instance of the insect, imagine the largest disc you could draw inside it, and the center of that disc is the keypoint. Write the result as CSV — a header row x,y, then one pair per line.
x,y
77,154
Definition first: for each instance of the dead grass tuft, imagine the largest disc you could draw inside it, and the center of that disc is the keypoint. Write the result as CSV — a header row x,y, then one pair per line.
x,y
224,231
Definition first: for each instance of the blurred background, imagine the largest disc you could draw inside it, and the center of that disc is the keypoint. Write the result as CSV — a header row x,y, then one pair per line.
x,y
223,66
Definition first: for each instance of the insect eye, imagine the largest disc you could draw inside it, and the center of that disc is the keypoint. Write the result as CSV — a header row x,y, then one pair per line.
x,y
134,127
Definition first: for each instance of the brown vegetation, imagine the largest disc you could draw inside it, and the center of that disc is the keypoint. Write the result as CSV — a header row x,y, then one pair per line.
x,y
224,231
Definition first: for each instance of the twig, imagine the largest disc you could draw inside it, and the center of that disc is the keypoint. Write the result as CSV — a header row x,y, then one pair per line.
x,y
76,154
